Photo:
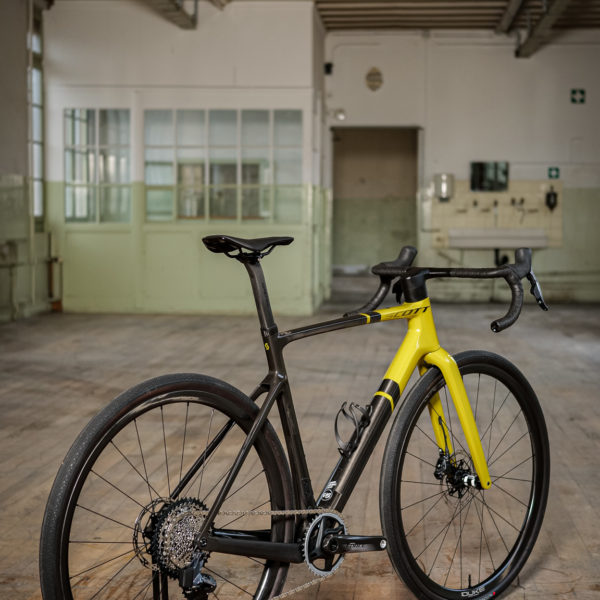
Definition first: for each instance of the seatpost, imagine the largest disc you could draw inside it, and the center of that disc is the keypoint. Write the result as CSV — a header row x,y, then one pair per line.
x,y
261,296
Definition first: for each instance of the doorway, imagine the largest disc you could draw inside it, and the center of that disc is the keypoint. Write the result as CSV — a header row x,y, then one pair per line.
x,y
374,196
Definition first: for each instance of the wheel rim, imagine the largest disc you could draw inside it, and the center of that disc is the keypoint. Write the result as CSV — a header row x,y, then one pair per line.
x,y
134,473
463,546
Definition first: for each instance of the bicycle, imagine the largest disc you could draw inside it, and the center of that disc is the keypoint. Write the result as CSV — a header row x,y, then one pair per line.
x,y
181,486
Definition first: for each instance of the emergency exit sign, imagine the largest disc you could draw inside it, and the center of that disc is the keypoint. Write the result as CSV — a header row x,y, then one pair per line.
x,y
553,172
577,96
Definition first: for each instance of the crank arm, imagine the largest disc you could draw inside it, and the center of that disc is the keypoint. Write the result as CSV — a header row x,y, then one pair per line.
x,y
350,544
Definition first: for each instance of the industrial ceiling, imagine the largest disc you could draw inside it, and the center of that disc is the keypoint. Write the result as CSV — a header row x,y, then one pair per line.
x,y
536,21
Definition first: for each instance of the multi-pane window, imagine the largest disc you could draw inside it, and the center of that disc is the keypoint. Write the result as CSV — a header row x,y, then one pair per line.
x,y
97,165
36,107
223,164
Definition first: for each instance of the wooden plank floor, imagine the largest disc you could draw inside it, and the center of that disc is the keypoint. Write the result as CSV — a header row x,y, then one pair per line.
x,y
56,371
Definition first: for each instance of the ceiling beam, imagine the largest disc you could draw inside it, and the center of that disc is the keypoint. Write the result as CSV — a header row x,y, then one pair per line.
x,y
498,4
220,4
174,11
542,30
512,10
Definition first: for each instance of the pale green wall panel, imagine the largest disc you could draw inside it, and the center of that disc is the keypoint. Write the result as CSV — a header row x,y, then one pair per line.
x,y
165,267
98,271
170,271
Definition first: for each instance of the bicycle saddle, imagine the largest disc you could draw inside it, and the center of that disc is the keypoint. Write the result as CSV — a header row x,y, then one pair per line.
x,y
226,244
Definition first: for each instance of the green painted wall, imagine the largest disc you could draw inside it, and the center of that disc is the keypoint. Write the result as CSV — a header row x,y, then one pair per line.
x,y
164,267
367,231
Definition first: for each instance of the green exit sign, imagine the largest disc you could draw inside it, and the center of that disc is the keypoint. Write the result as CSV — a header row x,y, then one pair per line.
x,y
553,172
577,96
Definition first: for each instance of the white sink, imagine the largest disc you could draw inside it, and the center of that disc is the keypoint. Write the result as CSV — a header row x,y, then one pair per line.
x,y
497,238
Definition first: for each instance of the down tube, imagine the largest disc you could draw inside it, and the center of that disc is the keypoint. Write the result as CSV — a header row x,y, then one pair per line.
x,y
339,487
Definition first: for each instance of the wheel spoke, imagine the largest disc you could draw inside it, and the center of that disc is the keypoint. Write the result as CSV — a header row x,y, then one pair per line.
x,y
425,515
162,418
145,479
105,562
229,582
504,435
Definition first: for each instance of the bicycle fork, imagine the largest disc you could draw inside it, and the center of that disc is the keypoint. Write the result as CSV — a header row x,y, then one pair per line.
x,y
422,349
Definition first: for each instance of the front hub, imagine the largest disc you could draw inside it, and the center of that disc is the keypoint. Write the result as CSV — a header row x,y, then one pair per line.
x,y
457,472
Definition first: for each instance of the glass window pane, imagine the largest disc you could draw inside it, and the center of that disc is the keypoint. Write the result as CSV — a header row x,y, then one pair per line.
x,y
190,166
223,127
114,127
288,204
159,205
190,128
223,202
288,127
36,86
38,198
36,42
38,161
256,168
37,124
80,166
288,166
255,128
115,204
80,203
256,203
159,166
113,165
80,127
223,166
190,203
158,127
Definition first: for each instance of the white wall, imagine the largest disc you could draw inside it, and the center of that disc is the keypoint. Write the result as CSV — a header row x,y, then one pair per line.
x,y
118,53
252,44
475,100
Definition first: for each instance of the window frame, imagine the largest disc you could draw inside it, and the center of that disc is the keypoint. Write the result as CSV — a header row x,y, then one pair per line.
x,y
266,191
95,186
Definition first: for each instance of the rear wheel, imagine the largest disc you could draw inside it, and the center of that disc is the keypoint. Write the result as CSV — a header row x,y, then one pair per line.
x,y
447,539
132,491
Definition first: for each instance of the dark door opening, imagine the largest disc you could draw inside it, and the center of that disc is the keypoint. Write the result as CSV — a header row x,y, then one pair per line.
x,y
374,195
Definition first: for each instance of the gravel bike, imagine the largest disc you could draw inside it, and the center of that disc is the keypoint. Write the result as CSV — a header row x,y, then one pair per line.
x,y
181,487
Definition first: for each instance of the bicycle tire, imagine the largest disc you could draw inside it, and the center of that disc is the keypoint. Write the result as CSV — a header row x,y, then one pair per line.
x,y
436,544
122,474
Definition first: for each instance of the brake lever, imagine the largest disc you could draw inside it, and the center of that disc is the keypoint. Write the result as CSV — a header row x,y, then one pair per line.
x,y
536,290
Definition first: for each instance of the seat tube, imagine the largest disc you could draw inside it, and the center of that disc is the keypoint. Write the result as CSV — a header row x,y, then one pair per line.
x,y
261,295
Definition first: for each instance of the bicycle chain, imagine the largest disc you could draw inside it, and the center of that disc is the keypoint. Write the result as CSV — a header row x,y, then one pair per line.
x,y
289,513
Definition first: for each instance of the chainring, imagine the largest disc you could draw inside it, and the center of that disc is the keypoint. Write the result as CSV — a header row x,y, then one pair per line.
x,y
321,526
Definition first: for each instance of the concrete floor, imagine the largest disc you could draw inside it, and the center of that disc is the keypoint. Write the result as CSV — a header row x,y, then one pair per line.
x,y
56,371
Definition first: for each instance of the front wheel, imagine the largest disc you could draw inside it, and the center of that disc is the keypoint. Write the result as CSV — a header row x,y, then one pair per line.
x,y
447,539
132,491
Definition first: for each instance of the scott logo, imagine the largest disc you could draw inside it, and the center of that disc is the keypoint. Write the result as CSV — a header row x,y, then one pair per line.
x,y
473,593
328,493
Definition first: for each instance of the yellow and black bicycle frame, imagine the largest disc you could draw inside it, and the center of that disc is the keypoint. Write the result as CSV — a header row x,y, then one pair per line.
x,y
420,350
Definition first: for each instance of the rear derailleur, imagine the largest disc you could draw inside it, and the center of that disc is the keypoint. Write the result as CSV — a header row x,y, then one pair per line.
x,y
195,584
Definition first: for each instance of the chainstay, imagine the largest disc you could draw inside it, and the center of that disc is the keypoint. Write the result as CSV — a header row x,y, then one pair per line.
x,y
289,513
